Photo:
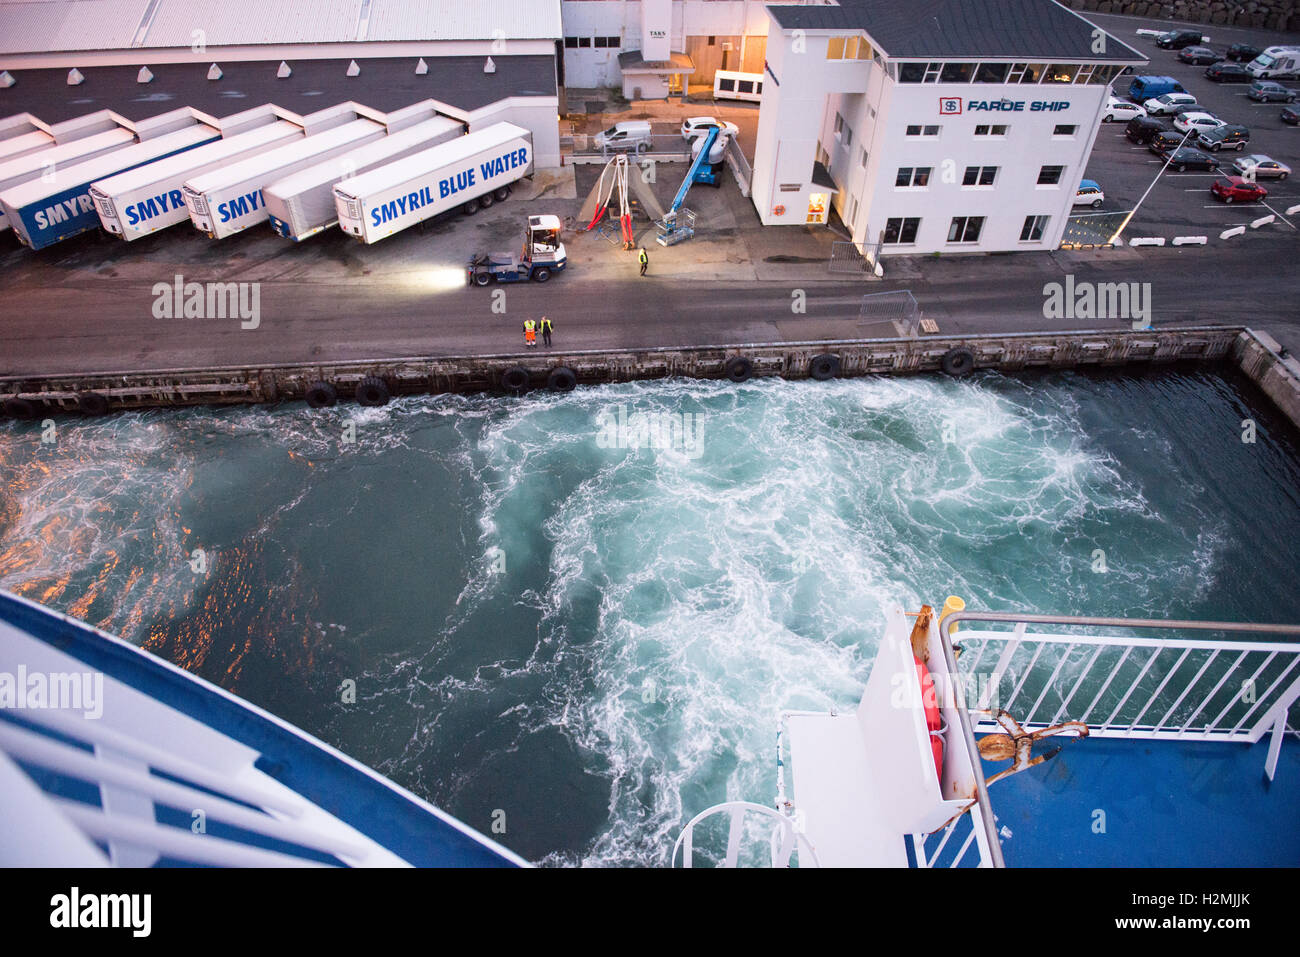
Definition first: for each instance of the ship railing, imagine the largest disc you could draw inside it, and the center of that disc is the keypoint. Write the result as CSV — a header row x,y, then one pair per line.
x,y
963,842
1128,686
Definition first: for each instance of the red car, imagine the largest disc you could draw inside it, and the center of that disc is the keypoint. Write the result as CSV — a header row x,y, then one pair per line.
x,y
1235,189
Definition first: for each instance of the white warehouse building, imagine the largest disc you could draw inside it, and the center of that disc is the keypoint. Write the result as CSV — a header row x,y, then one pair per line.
x,y
932,125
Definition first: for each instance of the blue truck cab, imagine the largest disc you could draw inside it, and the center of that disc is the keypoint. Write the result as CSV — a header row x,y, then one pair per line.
x,y
1145,88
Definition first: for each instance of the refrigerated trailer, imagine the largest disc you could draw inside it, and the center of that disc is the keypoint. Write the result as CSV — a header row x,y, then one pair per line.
x,y
302,204
45,211
144,200
472,171
227,200
48,163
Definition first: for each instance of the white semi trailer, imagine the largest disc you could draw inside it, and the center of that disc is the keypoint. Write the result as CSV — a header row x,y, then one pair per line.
x,y
48,162
144,200
302,204
227,200
469,172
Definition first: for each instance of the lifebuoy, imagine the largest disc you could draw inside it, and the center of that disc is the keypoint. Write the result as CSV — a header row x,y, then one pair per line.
x,y
18,408
562,379
778,210
933,719
824,366
515,380
958,362
739,369
321,395
92,403
372,391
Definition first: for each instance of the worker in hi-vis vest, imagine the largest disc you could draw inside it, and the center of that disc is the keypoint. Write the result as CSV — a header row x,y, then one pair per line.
x,y
530,333
643,259
546,330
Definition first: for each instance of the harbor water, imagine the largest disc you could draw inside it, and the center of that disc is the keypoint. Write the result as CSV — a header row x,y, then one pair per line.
x,y
570,620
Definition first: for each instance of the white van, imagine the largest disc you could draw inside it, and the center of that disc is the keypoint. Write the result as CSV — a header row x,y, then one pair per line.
x,y
628,135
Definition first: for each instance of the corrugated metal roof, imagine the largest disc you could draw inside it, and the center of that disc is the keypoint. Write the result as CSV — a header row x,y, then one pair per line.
x,y
47,26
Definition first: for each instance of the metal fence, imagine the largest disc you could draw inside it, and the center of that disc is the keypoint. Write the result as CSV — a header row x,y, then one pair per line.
x,y
899,308
854,259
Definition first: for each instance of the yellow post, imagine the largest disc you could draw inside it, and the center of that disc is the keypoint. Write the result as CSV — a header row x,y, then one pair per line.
x,y
951,604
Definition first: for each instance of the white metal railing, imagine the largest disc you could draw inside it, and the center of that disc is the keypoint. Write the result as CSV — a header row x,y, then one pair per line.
x,y
1130,686
957,838
785,837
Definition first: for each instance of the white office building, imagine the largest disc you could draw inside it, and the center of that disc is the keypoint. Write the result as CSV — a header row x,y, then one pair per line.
x,y
931,125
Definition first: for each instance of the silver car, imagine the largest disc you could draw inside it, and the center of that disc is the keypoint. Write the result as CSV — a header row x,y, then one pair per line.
x,y
1259,166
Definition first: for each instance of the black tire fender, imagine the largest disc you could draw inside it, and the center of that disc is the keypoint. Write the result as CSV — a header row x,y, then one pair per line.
x,y
824,366
562,379
739,369
321,395
372,392
515,380
958,362
92,403
19,408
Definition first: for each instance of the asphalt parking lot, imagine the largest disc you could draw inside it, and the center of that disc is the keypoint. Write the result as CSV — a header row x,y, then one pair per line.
x,y
1181,203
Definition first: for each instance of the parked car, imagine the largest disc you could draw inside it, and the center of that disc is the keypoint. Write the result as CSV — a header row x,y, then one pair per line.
x,y
1198,56
1165,141
1290,115
1201,122
1141,129
1225,71
1168,103
1266,91
1188,158
1225,137
1234,189
627,135
1178,39
1243,52
694,126
1259,166
1146,87
1089,194
1120,110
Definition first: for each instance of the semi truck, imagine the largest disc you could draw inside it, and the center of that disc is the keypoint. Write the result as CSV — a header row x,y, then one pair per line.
x,y
47,162
228,200
302,204
144,200
22,135
467,173
542,256
47,210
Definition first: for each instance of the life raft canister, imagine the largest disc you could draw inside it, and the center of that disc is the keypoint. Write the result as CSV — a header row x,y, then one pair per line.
x,y
933,720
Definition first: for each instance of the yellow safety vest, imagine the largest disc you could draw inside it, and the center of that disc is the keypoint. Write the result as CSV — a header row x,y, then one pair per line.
x,y
546,326
643,257
528,325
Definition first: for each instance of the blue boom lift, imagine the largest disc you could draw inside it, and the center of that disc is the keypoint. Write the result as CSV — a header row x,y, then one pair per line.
x,y
678,224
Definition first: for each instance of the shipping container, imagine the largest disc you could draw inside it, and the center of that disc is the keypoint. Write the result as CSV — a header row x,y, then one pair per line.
x,y
47,163
46,211
471,171
227,200
144,200
302,204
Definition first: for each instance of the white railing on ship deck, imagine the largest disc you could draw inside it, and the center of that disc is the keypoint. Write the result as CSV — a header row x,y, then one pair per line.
x,y
1130,687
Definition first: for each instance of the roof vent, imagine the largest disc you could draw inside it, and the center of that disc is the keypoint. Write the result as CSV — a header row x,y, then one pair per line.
x,y
284,72
144,76
489,66
75,77
421,68
214,72
353,69
6,80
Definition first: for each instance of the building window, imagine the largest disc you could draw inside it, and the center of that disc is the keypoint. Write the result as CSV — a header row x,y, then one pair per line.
x,y
992,73
980,176
843,132
726,85
607,42
901,231
853,212
570,43
1050,175
957,73
965,229
1032,231
1084,74
1063,129
712,41
911,72
1061,73
848,48
584,41
916,177
600,42
816,208
863,158
1025,73
991,129
923,131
